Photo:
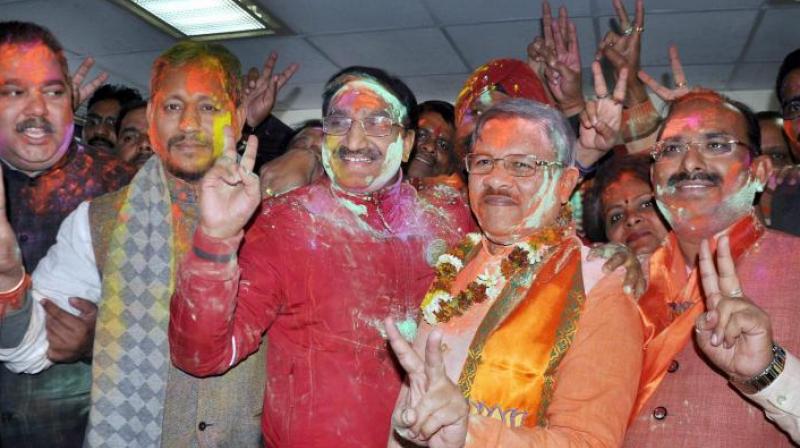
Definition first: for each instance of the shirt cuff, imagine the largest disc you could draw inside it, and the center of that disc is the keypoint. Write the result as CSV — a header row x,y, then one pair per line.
x,y
213,258
784,392
216,249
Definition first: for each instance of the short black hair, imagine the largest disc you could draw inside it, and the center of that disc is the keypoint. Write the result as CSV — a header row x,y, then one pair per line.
x,y
122,94
394,85
443,108
790,63
315,123
609,171
753,128
127,108
14,32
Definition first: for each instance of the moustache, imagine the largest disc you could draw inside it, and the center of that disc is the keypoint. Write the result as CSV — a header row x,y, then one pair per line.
x,y
101,141
36,122
683,176
489,191
368,153
193,138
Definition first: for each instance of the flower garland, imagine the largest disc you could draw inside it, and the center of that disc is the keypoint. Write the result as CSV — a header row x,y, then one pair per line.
x,y
439,305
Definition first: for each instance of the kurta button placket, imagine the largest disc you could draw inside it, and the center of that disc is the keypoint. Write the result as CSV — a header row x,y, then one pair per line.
x,y
660,413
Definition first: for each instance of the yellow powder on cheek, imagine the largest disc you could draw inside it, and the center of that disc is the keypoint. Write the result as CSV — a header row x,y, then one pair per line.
x,y
218,137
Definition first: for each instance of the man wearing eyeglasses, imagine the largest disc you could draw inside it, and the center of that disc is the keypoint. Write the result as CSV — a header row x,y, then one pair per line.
x,y
543,347
720,337
320,268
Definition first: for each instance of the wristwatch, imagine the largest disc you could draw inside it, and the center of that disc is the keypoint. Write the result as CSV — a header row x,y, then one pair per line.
x,y
768,376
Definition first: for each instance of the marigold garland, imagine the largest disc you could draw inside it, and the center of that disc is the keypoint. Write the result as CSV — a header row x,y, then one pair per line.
x,y
439,305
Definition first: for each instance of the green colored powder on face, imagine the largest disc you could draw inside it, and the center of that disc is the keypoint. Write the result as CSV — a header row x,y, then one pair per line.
x,y
394,153
547,195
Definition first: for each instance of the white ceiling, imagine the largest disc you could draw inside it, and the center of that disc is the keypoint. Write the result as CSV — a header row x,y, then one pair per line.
x,y
434,44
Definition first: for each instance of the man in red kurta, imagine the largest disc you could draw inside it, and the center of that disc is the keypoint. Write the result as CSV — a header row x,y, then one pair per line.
x,y
319,270
698,389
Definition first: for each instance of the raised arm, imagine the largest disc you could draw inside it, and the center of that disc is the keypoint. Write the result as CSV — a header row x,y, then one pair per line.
x,y
206,335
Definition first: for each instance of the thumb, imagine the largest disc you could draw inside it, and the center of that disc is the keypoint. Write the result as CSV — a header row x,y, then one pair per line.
x,y
408,417
87,308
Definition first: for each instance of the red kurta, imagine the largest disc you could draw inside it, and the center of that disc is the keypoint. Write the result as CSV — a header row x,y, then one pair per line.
x,y
319,270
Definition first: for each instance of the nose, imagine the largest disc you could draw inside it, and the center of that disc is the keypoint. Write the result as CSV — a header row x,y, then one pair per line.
x,y
691,160
428,147
355,137
498,177
632,219
189,120
36,105
144,145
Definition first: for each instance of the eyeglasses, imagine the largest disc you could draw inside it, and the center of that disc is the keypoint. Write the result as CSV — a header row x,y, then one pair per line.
x,y
96,120
518,165
424,136
669,150
791,109
375,126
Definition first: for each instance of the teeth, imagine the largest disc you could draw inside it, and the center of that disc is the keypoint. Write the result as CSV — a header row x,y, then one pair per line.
x,y
34,132
357,159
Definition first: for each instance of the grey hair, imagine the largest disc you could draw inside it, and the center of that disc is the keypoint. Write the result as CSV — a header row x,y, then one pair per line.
x,y
557,127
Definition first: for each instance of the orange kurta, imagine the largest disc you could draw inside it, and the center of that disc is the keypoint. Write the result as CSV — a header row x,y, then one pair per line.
x,y
595,384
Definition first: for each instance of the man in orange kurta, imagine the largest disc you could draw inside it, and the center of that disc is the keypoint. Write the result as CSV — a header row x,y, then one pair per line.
x,y
544,345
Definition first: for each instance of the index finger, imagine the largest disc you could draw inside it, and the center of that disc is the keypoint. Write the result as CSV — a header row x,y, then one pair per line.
x,y
600,87
708,276
286,75
408,358
228,143
249,157
82,71
677,68
728,280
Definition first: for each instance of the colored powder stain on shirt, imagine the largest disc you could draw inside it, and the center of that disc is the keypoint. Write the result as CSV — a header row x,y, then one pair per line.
x,y
357,209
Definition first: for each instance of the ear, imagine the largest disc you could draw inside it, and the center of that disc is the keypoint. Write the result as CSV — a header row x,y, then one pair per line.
x,y
566,185
761,169
408,143
150,112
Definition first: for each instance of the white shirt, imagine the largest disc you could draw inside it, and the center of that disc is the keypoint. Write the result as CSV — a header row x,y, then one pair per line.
x,y
68,270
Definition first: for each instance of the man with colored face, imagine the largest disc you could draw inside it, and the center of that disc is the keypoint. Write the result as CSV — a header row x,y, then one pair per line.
x,y
434,152
721,337
47,173
120,251
544,345
102,115
785,210
320,268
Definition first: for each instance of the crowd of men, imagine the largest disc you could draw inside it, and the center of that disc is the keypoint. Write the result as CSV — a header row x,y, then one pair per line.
x,y
532,265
